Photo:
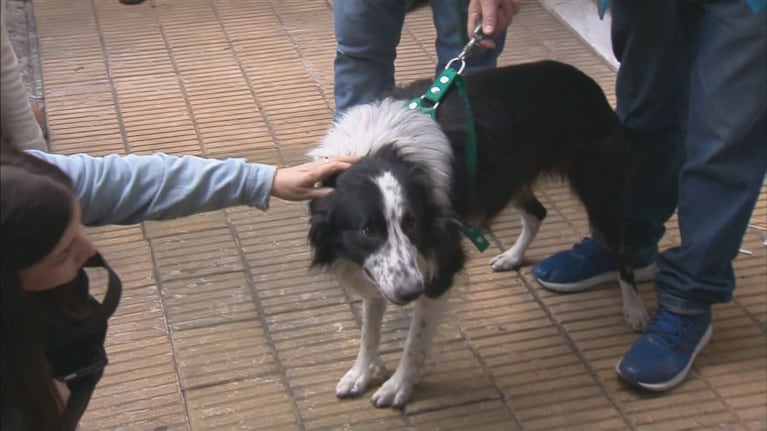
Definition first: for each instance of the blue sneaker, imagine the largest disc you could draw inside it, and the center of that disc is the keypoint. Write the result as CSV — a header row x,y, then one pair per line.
x,y
661,358
586,265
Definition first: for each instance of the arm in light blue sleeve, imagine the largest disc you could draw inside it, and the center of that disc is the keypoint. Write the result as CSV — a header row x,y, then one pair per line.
x,y
130,189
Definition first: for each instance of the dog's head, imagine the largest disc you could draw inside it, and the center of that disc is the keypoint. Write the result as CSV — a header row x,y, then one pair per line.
x,y
379,216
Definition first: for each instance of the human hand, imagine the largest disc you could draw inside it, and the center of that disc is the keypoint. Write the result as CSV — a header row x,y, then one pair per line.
x,y
496,15
296,183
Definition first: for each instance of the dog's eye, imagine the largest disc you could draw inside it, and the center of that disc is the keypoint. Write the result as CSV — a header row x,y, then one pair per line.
x,y
369,232
408,223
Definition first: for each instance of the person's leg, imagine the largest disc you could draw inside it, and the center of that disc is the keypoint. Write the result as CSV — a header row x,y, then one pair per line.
x,y
450,21
367,34
19,124
726,157
650,42
718,186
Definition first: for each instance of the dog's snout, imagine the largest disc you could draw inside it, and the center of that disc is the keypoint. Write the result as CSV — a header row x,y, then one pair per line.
x,y
410,294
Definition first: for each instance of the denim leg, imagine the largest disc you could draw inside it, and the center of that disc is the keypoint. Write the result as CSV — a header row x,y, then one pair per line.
x,y
650,42
450,21
367,34
726,149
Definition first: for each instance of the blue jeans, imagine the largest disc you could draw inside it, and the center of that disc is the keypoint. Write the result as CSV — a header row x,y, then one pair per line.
x,y
368,32
691,90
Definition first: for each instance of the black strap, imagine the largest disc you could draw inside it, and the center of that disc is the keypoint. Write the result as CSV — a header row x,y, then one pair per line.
x,y
96,322
114,290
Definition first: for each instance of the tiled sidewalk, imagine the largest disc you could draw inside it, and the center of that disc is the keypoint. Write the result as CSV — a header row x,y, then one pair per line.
x,y
221,325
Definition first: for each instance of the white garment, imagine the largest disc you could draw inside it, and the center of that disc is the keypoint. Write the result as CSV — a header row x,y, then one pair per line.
x,y
18,121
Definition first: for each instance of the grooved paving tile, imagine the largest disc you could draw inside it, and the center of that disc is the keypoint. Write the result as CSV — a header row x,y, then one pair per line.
x,y
221,353
51,14
452,377
190,24
115,235
282,291
387,423
82,118
208,300
315,336
140,315
196,254
131,261
485,415
185,225
254,404
74,70
199,56
358,414
154,112
145,407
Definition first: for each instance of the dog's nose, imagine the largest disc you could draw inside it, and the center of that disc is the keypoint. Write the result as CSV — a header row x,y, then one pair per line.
x,y
410,294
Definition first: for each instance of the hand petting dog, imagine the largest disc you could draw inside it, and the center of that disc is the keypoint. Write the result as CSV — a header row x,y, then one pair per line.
x,y
297,183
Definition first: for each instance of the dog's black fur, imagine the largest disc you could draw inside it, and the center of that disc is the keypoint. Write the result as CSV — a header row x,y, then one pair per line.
x,y
532,120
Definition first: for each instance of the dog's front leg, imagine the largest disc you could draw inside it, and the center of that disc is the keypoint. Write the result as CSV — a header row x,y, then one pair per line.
x,y
357,378
634,310
513,257
396,391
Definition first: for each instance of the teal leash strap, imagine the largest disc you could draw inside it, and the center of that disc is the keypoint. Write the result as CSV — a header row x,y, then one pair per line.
x,y
472,232
471,131
428,103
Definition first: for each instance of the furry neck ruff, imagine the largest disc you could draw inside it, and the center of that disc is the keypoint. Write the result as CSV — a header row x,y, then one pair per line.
x,y
364,129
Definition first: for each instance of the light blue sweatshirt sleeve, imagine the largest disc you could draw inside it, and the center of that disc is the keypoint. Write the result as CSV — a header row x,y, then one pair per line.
x,y
130,189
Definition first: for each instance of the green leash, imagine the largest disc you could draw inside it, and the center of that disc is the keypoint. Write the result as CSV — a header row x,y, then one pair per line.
x,y
428,103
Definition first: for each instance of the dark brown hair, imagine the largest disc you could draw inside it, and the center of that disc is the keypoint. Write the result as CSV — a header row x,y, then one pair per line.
x,y
36,208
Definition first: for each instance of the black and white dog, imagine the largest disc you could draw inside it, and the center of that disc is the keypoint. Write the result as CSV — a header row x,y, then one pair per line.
x,y
391,229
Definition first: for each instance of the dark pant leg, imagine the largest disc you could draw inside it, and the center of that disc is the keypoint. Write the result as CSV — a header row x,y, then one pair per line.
x,y
726,146
650,41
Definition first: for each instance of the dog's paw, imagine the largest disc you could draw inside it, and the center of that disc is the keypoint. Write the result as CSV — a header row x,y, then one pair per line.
x,y
354,382
506,261
636,317
395,392
634,310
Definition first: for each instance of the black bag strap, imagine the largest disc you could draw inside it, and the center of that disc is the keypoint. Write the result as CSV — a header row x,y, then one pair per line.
x,y
97,321
114,289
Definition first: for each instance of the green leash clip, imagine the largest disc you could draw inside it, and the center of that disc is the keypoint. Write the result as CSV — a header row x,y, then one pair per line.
x,y
475,236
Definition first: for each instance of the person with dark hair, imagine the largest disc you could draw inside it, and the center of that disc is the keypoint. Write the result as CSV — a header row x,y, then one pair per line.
x,y
53,331
40,219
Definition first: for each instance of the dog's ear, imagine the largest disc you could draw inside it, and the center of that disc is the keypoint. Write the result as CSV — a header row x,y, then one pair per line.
x,y
449,257
321,236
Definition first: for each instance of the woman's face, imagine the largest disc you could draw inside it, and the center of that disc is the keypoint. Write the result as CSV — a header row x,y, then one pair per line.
x,y
64,261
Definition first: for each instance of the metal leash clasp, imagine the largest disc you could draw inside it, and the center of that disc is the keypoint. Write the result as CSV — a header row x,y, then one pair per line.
x,y
475,39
